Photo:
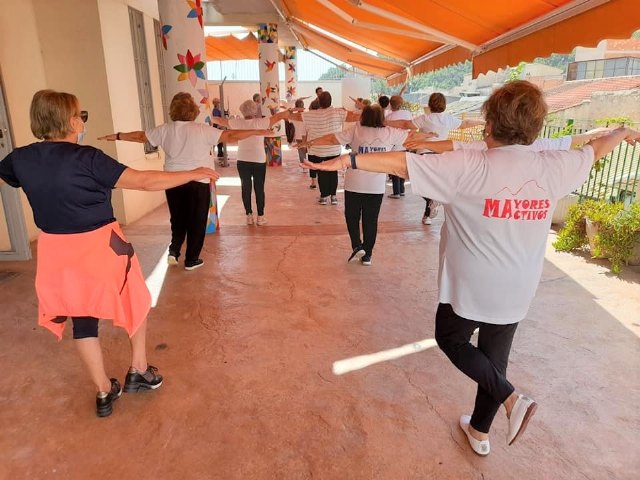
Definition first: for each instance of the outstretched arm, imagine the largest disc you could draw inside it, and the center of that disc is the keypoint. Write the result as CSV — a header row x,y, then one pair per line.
x,y
234,136
279,116
138,137
404,124
223,122
418,141
471,122
389,162
328,139
582,138
153,180
353,116
605,144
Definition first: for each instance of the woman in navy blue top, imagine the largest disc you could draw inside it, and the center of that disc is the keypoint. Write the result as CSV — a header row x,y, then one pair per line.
x,y
86,269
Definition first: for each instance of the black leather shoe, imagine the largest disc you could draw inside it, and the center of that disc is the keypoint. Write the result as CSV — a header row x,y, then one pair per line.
x,y
148,380
104,400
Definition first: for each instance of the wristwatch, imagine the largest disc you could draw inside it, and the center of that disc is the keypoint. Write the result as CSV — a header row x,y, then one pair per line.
x,y
353,156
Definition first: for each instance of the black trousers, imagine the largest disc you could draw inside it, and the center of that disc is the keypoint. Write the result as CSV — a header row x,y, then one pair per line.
x,y
485,364
327,181
398,184
365,206
252,173
189,210
220,150
427,208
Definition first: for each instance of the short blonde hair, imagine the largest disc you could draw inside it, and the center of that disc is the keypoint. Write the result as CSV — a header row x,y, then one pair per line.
x,y
515,113
248,108
51,114
183,108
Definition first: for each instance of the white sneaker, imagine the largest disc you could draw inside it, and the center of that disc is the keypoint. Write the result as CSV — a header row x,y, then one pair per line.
x,y
250,219
426,220
172,260
434,207
323,201
261,220
521,413
334,200
481,447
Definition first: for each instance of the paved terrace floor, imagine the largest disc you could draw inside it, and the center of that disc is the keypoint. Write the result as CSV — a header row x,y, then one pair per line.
x,y
247,344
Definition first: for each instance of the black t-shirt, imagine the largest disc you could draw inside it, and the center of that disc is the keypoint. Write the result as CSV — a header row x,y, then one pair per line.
x,y
68,185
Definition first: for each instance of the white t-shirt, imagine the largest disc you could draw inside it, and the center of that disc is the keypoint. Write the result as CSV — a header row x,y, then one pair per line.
x,y
366,140
251,149
186,145
398,115
300,129
562,143
498,206
440,123
321,122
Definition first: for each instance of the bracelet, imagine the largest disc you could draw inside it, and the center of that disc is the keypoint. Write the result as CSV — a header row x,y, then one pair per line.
x,y
118,136
353,156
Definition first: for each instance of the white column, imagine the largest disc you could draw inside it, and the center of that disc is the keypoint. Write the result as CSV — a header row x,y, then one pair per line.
x,y
290,65
185,55
269,56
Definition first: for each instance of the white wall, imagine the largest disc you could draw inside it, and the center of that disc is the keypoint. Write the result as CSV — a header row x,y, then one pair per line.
x,y
19,41
129,205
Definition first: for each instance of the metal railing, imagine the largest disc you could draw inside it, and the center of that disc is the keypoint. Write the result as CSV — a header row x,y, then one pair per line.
x,y
614,178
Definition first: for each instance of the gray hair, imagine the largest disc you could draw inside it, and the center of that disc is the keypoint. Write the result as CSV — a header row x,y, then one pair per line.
x,y
248,108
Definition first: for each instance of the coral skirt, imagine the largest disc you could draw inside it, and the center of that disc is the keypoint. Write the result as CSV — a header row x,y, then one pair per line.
x,y
95,274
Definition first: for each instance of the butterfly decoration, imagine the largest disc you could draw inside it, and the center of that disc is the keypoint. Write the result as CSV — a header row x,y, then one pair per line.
x,y
291,90
190,68
291,67
196,10
269,65
165,34
269,90
205,100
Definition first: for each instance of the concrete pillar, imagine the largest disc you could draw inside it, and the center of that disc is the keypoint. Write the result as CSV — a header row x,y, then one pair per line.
x,y
185,56
290,64
185,65
268,58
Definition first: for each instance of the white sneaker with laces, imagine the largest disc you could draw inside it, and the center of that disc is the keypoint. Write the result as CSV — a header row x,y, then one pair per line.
x,y
334,200
172,260
521,413
261,220
250,219
481,447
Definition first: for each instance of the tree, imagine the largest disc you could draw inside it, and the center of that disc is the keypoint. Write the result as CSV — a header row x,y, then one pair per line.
x,y
334,73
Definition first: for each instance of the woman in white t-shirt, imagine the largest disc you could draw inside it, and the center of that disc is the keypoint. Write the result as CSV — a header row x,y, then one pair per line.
x,y
187,145
498,204
439,123
363,191
396,113
251,158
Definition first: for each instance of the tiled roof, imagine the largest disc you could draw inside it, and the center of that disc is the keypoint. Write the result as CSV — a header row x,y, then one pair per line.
x,y
574,93
625,44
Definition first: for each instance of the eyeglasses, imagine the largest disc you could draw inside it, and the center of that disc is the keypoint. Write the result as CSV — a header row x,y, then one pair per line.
x,y
84,116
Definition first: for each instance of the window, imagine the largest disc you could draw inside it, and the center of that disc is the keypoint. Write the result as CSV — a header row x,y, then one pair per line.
x,y
620,68
163,79
141,61
582,71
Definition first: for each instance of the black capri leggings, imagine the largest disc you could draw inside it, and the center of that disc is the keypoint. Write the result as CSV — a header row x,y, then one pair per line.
x,y
83,327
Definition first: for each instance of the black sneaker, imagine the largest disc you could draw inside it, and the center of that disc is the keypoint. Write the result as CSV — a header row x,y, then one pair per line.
x,y
104,400
193,264
357,253
148,380
366,260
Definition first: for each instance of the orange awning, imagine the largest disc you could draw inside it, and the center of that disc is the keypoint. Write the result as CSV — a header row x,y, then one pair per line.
x,y
231,48
430,34
352,56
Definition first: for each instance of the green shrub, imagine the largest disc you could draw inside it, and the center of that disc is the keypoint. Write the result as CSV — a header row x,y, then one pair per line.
x,y
618,230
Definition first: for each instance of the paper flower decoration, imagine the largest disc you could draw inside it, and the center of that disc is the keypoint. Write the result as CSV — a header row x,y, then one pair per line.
x,y
196,10
269,65
165,34
190,68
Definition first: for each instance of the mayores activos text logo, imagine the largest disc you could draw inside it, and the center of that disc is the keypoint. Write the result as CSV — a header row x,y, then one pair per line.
x,y
529,202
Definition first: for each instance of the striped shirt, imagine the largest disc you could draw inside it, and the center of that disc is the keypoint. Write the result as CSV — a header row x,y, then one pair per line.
x,y
322,122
